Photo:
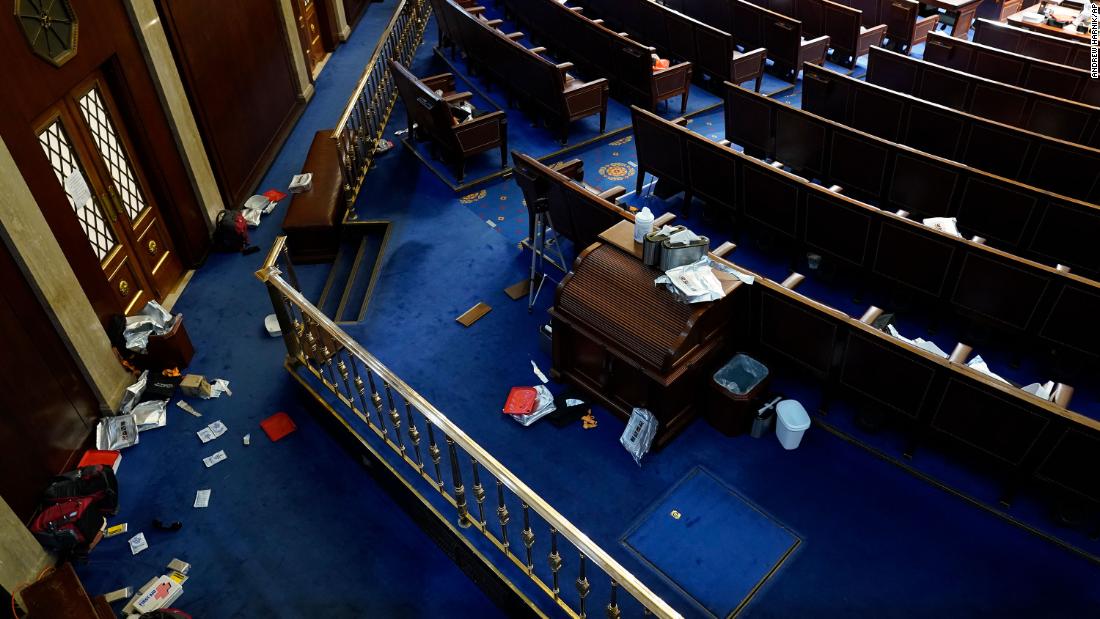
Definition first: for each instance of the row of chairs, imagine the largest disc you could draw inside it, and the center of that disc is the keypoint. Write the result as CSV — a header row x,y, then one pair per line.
x,y
1014,153
1026,221
541,84
753,26
602,51
1026,442
1041,113
849,38
1034,44
711,51
1041,307
1060,80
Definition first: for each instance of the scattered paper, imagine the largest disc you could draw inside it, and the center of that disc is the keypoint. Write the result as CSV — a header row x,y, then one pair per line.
x,y
573,402
944,224
247,439
218,428
693,283
217,457
218,387
151,414
539,373
205,435
138,543
188,408
918,342
202,498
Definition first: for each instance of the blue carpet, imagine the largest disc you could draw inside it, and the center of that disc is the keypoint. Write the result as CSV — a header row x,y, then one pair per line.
x,y
295,529
710,542
300,526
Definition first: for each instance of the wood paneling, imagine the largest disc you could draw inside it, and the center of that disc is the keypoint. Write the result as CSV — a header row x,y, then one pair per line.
x,y
236,66
354,9
31,85
47,410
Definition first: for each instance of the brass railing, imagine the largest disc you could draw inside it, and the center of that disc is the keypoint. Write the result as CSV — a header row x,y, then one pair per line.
x,y
429,443
369,106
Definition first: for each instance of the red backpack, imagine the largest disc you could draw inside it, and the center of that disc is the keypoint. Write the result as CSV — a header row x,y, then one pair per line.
x,y
96,482
68,527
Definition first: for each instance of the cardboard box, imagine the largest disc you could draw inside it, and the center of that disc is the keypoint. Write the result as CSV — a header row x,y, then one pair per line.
x,y
195,385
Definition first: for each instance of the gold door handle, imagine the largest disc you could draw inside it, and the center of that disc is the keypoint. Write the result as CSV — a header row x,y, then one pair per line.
x,y
124,288
108,208
152,247
116,200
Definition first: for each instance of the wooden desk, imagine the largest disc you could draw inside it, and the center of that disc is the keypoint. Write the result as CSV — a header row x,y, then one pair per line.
x,y
628,343
963,10
1063,13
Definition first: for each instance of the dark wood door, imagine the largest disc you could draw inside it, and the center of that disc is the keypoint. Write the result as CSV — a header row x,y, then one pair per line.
x,y
309,31
91,156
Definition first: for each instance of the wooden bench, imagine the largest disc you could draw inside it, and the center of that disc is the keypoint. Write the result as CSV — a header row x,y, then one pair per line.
x,y
1029,222
1035,44
313,220
594,47
1034,159
1008,68
710,49
1041,113
542,85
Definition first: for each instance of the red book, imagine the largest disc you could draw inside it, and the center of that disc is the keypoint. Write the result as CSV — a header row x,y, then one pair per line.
x,y
274,195
106,458
521,401
278,425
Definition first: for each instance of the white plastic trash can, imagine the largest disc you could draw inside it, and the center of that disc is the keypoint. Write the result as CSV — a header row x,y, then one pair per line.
x,y
792,421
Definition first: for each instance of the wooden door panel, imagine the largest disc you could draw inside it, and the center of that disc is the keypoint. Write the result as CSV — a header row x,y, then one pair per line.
x,y
128,286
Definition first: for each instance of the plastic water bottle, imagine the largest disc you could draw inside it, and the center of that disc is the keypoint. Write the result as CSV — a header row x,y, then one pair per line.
x,y
643,223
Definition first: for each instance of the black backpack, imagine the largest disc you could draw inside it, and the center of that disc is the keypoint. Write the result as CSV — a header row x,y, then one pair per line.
x,y
96,482
230,231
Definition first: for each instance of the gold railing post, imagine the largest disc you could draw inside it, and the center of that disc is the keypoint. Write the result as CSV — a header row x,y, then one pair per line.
x,y
502,517
554,560
613,611
459,489
434,453
414,435
528,536
582,586
479,494
395,418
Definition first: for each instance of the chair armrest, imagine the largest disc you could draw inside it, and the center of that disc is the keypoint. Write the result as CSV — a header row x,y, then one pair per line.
x,y
458,97
597,21
814,50
573,169
872,36
443,81
515,36
473,124
537,50
493,22
613,194
475,10
683,66
565,66
663,219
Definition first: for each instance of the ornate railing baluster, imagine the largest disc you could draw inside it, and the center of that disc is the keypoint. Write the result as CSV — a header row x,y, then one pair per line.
x,y
554,560
613,611
459,489
502,517
479,494
376,400
395,418
414,435
583,587
528,537
434,453
361,390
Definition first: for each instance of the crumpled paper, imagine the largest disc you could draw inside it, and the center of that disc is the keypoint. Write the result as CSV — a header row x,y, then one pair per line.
x,y
950,225
979,364
1043,391
544,405
697,283
133,393
152,320
918,342
256,207
151,414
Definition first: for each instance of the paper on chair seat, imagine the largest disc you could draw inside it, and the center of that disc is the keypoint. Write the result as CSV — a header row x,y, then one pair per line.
x,y
979,364
1042,391
950,225
921,343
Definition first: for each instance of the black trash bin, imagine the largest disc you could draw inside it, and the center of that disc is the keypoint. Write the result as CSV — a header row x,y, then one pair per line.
x,y
733,388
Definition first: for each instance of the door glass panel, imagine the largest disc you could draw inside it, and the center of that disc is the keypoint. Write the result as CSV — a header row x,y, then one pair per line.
x,y
102,128
59,149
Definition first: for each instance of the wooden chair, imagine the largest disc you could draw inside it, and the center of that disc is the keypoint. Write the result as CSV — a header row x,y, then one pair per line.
x,y
905,27
786,46
849,38
431,115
